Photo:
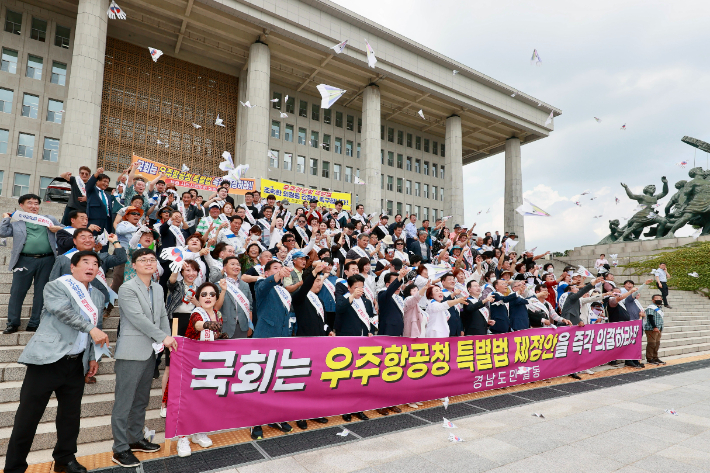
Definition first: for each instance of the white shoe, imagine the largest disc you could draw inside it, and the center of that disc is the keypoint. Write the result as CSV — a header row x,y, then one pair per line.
x,y
419,403
202,440
183,447
413,405
589,371
163,412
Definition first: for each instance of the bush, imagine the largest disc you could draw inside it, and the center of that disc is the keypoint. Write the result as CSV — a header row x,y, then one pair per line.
x,y
694,257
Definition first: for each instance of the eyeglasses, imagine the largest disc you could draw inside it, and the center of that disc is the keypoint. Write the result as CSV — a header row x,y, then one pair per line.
x,y
208,294
134,213
146,260
399,244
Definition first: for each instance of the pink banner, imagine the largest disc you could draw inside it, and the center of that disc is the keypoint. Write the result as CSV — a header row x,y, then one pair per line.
x,y
227,384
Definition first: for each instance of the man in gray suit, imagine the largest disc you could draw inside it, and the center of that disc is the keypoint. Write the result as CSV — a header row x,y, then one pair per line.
x,y
33,250
144,329
235,301
57,357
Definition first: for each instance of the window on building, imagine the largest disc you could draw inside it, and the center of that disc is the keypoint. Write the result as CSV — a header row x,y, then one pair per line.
x,y
30,105
359,125
13,22
382,132
43,184
434,172
338,148
434,214
389,207
4,139
441,172
417,189
426,145
315,111
418,143
326,169
350,123
426,191
314,139
418,166
278,97
358,151
336,171
339,119
348,174
34,67
39,30
399,185
301,165
399,207
314,167
303,108
409,140
390,183
274,158
426,168
349,148
409,209
288,161
443,154
434,192
62,36
2,176
51,150
409,163
425,216
326,142
382,181
26,145
435,147
288,132
382,156
417,211
400,137
390,158
275,129
9,61
21,185
327,114
55,111
400,161
290,104
408,187
59,73
301,136
6,97
390,135
441,194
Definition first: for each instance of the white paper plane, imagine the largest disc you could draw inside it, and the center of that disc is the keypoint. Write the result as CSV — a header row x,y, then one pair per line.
x,y
114,11
371,59
421,114
340,47
155,53
329,95
219,121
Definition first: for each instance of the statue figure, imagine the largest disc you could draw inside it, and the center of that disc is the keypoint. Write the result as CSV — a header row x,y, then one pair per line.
x,y
615,233
694,202
646,216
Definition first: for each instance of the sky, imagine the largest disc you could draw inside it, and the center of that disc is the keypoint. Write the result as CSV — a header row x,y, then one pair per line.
x,y
643,64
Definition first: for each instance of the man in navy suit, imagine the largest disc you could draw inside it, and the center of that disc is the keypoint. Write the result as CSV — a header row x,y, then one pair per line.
x,y
98,202
420,247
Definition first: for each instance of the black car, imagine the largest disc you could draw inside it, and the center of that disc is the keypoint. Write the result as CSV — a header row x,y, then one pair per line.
x,y
59,190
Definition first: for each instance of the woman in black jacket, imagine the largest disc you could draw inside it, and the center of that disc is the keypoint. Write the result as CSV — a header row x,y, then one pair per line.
x,y
475,316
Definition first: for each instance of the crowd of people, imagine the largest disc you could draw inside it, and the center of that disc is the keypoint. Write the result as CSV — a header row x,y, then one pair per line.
x,y
259,269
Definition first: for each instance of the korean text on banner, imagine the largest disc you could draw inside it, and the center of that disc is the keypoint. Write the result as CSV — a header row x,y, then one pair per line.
x,y
260,381
150,170
298,194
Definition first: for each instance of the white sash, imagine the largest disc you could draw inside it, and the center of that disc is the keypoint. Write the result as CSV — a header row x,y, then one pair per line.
x,y
69,230
80,184
249,215
266,225
284,296
243,233
469,257
360,310
343,252
18,215
369,294
401,256
449,293
313,298
259,269
399,301
383,228
360,251
343,213
233,289
179,237
302,232
81,296
204,334
330,287
460,286
101,276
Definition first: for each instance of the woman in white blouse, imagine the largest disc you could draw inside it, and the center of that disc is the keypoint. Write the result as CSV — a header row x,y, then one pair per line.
x,y
438,311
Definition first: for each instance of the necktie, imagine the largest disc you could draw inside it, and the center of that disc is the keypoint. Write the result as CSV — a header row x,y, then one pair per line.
x,y
103,199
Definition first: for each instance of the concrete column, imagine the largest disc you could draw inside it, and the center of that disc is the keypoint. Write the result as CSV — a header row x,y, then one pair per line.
x,y
80,137
453,174
255,142
512,220
371,146
242,114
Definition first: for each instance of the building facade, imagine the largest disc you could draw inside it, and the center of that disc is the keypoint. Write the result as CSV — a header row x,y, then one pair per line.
x,y
80,88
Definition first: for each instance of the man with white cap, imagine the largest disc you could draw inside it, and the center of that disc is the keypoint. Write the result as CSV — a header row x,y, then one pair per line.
x,y
210,225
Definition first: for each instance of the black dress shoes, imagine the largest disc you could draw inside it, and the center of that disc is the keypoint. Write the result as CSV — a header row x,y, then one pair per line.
x,y
320,420
31,329
395,409
125,458
10,329
302,424
382,411
361,416
71,467
347,417
144,445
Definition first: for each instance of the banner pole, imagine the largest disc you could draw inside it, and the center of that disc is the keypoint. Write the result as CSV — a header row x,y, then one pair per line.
x,y
168,442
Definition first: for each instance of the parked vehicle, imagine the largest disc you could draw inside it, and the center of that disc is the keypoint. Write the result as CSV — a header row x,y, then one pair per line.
x,y
59,190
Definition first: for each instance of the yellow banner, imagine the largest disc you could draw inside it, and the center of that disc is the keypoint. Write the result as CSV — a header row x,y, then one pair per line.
x,y
150,170
298,195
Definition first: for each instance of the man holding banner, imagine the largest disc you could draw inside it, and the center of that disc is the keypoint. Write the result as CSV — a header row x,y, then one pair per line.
x,y
34,246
